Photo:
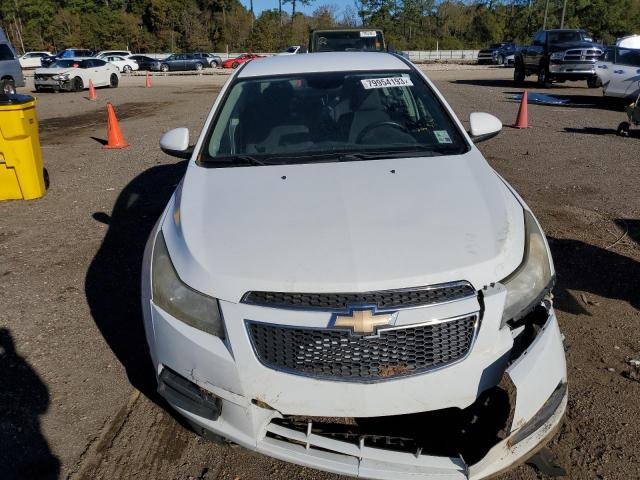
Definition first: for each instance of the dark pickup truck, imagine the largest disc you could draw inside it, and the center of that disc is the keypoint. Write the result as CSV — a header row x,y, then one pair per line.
x,y
557,56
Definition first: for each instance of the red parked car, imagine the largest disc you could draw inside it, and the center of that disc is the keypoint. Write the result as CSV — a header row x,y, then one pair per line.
x,y
245,57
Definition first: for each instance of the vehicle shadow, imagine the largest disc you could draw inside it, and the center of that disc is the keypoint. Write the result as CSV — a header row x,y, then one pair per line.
x,y
593,131
112,284
595,270
24,452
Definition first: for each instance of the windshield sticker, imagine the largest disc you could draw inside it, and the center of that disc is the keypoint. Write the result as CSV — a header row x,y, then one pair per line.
x,y
368,33
442,136
386,82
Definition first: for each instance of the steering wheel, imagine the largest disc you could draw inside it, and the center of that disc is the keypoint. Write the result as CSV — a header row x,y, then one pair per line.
x,y
385,123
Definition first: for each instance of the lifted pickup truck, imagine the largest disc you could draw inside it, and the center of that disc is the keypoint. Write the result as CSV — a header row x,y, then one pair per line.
x,y
559,55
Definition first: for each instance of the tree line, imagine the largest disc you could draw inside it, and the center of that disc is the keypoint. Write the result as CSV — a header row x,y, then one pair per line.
x,y
215,25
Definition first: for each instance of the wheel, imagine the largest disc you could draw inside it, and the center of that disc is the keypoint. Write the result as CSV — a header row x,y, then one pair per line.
x,y
7,86
544,80
234,65
77,85
623,129
500,60
114,81
519,74
38,89
593,82
126,69
198,67
164,68
215,64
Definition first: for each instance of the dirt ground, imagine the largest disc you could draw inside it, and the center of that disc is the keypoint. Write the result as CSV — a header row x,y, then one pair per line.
x,y
76,400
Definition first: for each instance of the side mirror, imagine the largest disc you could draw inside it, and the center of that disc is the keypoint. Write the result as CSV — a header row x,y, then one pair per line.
x,y
176,143
483,126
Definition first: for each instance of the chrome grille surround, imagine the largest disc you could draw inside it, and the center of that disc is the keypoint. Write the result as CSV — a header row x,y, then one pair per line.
x,y
339,355
382,299
588,55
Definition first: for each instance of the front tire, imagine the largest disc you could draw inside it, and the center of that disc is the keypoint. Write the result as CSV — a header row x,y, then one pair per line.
x,y
126,69
544,80
500,60
114,81
7,86
593,82
198,67
164,68
519,74
77,85
623,129
234,65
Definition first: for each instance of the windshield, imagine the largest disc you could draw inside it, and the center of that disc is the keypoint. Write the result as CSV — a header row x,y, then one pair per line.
x,y
565,37
346,41
64,64
323,116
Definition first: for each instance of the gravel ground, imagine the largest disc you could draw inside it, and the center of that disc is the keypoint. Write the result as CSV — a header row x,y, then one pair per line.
x,y
72,362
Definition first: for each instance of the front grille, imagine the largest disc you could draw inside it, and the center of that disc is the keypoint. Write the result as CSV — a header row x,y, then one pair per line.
x,y
337,354
384,299
590,55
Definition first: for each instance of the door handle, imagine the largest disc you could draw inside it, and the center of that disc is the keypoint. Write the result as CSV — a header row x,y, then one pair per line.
x,y
618,71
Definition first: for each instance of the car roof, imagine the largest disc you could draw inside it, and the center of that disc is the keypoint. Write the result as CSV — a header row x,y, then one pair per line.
x,y
323,62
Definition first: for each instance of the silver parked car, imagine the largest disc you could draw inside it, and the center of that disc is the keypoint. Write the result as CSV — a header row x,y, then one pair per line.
x,y
10,69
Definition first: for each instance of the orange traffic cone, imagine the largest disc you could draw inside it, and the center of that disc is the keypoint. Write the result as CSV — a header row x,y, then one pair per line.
x,y
147,82
523,113
114,135
92,91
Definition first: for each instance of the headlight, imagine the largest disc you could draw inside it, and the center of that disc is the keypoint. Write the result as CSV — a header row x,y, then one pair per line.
x,y
532,279
179,300
557,55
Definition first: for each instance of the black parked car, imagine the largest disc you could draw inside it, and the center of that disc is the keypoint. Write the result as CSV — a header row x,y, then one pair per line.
x,y
67,53
180,61
497,53
213,61
145,63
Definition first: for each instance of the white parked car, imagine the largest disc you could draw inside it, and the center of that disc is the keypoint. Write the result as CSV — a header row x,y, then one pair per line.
x,y
342,281
118,53
125,65
32,59
73,74
619,72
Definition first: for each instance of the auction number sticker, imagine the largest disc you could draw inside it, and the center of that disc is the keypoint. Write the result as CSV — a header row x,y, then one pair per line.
x,y
442,136
370,83
368,33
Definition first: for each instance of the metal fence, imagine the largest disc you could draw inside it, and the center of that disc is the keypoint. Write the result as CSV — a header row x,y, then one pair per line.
x,y
414,55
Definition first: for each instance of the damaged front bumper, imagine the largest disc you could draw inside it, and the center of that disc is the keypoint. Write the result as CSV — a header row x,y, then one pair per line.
x,y
503,426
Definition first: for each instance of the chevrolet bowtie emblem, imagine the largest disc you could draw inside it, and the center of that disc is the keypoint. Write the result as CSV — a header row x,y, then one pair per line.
x,y
363,321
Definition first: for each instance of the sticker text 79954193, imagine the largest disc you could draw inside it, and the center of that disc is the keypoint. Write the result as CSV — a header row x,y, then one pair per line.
x,y
370,83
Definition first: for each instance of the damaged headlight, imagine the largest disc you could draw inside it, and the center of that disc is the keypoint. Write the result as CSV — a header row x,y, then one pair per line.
x,y
533,279
64,76
179,300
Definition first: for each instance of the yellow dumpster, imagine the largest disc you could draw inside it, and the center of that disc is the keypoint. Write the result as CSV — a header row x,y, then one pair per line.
x,y
21,173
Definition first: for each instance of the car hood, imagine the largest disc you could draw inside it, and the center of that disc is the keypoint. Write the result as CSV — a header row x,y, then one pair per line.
x,y
571,45
344,227
53,71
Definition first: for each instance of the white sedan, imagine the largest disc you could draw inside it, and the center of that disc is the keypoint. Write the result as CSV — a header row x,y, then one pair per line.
x,y
125,65
342,281
32,59
619,72
74,74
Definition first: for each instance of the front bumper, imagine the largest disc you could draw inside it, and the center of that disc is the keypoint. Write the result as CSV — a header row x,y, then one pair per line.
x,y
573,69
53,84
250,401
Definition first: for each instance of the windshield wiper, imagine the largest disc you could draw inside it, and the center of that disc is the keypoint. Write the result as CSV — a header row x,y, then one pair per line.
x,y
245,159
